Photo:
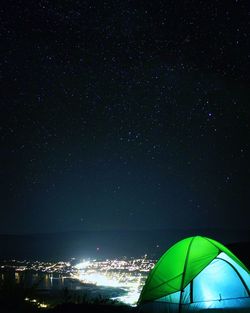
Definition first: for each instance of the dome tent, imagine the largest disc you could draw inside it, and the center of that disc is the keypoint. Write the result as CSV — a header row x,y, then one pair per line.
x,y
197,274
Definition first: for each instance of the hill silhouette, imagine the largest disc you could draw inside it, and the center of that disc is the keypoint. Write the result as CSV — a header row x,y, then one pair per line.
x,y
111,243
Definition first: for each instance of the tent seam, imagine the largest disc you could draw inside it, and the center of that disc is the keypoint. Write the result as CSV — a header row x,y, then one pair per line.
x,y
238,274
184,271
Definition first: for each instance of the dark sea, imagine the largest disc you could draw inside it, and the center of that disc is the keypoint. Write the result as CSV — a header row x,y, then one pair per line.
x,y
57,288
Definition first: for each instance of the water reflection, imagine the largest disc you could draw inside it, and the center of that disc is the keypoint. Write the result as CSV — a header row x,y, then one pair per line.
x,y
40,280
52,285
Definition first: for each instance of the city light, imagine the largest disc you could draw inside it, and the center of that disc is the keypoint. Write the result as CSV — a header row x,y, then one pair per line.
x,y
37,303
127,275
43,305
131,298
82,265
99,280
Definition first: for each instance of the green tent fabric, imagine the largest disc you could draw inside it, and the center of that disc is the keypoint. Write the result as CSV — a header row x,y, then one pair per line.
x,y
180,265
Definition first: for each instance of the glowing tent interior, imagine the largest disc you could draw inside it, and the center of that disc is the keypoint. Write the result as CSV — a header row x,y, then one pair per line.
x,y
197,274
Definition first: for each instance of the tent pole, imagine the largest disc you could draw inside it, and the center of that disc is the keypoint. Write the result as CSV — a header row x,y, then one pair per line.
x,y
184,273
179,311
238,274
191,292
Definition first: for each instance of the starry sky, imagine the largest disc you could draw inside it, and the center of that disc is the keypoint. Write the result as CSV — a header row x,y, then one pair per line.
x,y
121,114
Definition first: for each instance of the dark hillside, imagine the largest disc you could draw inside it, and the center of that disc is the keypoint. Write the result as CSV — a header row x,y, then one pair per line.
x,y
111,244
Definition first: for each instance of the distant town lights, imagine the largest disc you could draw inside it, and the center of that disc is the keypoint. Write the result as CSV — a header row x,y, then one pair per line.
x,y
82,265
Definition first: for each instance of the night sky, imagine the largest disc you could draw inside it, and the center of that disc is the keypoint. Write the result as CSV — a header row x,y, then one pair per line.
x,y
124,115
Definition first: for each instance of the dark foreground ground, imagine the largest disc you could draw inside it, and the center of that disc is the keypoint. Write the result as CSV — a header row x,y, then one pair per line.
x,y
70,308
105,308
15,298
